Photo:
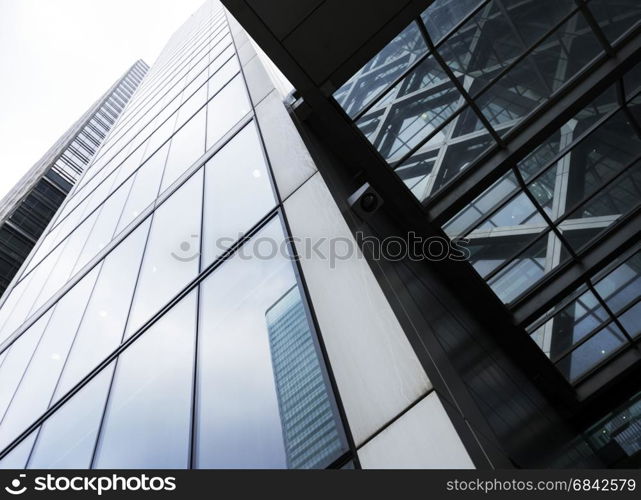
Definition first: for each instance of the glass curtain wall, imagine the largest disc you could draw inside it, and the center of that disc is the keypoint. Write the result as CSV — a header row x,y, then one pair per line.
x,y
161,322
454,84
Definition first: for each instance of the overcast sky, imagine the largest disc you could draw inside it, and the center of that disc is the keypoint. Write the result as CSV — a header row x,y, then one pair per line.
x,y
58,56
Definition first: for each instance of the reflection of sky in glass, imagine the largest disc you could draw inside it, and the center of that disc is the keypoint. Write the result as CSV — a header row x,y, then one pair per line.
x,y
238,421
148,418
166,266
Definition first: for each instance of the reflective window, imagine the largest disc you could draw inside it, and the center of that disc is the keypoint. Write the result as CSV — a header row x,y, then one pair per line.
x,y
263,401
145,187
38,383
222,75
67,439
594,323
588,355
148,418
510,57
443,15
103,230
238,192
381,70
18,457
34,287
70,251
172,252
225,109
192,104
187,145
158,138
16,359
106,313
616,17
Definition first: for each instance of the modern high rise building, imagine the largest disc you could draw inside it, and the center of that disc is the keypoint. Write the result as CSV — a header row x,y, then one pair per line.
x,y
27,209
348,234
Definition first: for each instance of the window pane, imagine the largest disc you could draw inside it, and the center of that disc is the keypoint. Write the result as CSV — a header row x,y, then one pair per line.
x,y
145,188
623,285
17,459
500,32
238,192
226,109
413,119
187,145
615,17
61,272
148,418
443,15
17,359
588,355
521,273
103,230
39,381
254,330
34,286
381,70
572,323
67,438
106,312
160,136
171,257
223,75
193,104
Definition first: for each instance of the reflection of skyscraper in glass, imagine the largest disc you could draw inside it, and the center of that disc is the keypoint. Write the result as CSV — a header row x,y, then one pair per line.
x,y
310,433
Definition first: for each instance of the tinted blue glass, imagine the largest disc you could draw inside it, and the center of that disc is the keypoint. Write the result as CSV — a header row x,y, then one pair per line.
x,y
148,418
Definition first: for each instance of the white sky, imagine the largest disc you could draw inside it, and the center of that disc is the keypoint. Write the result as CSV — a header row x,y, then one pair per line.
x,y
58,56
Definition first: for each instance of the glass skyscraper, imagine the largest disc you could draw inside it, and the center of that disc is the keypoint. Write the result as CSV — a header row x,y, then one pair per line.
x,y
135,334
204,298
27,209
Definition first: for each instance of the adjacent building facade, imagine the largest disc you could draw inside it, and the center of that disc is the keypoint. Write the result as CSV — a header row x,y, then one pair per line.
x,y
28,208
204,297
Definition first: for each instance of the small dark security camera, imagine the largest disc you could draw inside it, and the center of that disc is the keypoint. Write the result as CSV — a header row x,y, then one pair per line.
x,y
365,201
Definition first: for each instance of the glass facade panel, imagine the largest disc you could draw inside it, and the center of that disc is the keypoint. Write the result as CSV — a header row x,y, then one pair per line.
x,y
443,15
171,256
104,319
228,371
70,251
520,273
237,193
145,187
381,70
36,387
615,17
187,145
106,222
67,439
225,109
148,418
17,359
591,353
623,285
255,370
